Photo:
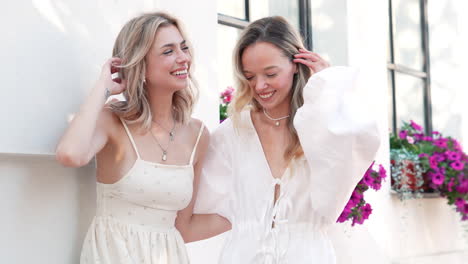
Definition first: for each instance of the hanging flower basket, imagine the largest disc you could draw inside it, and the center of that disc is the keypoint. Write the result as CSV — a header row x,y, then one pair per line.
x,y
434,163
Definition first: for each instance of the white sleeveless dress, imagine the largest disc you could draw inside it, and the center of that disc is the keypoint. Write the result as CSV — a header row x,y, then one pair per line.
x,y
135,217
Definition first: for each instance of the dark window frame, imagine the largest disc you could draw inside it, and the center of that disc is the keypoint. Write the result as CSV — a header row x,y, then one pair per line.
x,y
424,75
305,21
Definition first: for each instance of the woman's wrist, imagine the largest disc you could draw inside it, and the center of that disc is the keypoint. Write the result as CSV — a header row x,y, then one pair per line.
x,y
107,93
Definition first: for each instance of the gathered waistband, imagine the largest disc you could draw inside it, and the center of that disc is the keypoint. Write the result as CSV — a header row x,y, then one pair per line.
x,y
114,222
133,214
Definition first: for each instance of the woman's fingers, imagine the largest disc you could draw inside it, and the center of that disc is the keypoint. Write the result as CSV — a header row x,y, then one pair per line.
x,y
307,63
311,60
308,56
118,88
114,61
109,76
314,66
307,51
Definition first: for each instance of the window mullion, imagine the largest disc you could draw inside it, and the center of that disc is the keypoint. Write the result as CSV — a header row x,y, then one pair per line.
x,y
427,69
247,10
392,72
305,22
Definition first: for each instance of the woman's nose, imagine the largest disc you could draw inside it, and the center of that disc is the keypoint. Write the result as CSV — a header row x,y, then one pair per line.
x,y
260,84
182,57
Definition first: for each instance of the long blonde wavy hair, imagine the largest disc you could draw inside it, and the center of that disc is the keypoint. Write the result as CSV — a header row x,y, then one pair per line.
x,y
132,44
277,31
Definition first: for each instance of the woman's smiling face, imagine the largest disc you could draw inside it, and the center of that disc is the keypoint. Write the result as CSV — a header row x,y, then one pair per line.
x,y
270,75
168,61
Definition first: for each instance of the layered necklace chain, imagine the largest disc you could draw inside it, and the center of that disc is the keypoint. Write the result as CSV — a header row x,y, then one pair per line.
x,y
276,120
171,132
171,138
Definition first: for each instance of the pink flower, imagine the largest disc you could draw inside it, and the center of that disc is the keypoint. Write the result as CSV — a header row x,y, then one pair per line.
x,y
357,210
227,94
456,145
465,209
439,157
459,202
410,139
429,139
344,216
227,99
356,197
382,172
450,184
441,143
358,220
452,155
376,185
462,206
415,126
368,180
438,178
366,210
350,205
433,162
403,134
457,165
418,137
463,186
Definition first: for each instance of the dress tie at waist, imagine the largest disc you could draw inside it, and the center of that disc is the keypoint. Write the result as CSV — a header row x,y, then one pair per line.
x,y
273,248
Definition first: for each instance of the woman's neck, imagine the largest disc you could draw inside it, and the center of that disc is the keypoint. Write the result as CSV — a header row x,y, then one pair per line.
x,y
161,107
279,111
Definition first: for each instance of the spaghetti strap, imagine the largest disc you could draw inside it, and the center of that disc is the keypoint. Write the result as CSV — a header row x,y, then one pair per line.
x,y
131,138
196,144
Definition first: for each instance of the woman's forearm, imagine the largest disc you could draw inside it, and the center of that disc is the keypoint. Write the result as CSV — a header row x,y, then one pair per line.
x,y
75,145
202,226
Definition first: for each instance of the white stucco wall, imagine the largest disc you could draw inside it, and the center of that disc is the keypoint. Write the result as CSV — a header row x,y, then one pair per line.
x,y
47,208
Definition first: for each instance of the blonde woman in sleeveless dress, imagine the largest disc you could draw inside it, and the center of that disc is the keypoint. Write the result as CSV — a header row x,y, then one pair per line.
x,y
148,148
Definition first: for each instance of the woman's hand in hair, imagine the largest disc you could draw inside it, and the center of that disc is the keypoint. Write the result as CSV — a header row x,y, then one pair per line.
x,y
110,77
311,60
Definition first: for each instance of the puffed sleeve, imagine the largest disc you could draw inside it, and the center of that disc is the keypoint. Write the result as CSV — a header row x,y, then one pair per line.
x,y
339,136
214,190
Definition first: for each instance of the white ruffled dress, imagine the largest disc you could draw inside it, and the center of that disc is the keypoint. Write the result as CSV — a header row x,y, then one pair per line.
x,y
340,141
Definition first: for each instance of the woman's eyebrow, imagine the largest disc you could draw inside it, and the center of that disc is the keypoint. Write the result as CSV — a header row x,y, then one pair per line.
x,y
270,67
172,44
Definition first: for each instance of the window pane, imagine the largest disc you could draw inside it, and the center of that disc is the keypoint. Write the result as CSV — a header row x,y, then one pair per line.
x,y
227,38
264,8
234,8
409,98
407,37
